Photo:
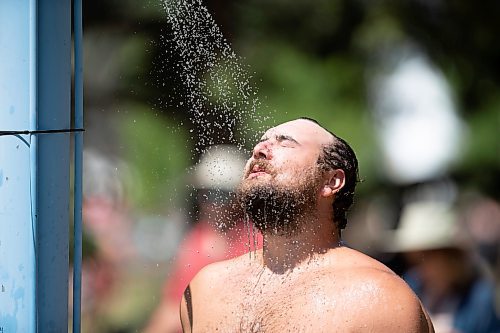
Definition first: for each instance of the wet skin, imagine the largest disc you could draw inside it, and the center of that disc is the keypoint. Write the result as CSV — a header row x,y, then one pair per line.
x,y
340,290
305,282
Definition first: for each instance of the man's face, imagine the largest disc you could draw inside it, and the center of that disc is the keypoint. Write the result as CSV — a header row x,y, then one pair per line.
x,y
286,150
281,180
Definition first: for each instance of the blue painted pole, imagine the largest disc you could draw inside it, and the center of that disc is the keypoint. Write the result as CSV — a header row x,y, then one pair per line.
x,y
77,261
35,94
53,171
17,105
33,120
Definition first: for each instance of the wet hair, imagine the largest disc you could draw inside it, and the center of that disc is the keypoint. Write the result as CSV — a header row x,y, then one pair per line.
x,y
339,155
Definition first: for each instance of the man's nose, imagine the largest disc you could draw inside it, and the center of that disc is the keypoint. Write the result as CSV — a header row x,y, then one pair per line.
x,y
262,151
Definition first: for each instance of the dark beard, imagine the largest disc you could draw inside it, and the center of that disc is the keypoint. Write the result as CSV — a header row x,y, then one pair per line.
x,y
279,210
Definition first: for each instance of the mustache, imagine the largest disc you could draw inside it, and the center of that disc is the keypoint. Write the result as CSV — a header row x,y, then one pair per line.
x,y
262,165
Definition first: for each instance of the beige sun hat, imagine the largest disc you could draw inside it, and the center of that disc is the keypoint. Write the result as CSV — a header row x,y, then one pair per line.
x,y
426,226
220,167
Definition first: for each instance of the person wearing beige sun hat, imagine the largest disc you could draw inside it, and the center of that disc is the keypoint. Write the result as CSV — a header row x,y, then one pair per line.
x,y
444,272
427,226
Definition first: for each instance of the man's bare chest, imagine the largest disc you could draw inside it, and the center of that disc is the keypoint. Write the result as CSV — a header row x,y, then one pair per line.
x,y
272,306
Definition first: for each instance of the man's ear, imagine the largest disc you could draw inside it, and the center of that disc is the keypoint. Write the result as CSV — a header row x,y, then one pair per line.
x,y
333,183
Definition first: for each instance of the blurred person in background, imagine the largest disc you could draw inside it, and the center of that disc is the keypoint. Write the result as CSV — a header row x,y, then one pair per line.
x,y
444,272
482,218
107,235
219,233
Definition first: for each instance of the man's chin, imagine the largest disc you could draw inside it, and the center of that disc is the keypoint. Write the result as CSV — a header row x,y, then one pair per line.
x,y
253,182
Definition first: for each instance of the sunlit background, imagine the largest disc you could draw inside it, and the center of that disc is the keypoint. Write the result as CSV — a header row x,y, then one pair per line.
x,y
412,85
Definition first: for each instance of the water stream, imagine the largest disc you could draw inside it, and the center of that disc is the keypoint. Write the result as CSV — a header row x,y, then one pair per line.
x,y
218,86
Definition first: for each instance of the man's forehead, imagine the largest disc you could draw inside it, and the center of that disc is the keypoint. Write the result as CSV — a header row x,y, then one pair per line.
x,y
301,130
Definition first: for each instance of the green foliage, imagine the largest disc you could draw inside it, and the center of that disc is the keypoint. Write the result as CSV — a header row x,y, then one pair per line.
x,y
480,164
157,151
306,59
483,146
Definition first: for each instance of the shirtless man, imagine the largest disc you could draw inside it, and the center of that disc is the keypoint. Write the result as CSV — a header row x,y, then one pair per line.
x,y
296,188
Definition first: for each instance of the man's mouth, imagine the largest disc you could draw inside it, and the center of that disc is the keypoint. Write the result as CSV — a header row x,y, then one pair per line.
x,y
257,169
256,174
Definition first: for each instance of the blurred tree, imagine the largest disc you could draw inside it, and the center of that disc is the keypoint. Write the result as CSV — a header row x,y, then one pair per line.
x,y
301,58
312,59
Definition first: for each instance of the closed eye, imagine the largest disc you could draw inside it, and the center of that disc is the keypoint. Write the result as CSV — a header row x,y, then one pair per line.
x,y
286,139
282,139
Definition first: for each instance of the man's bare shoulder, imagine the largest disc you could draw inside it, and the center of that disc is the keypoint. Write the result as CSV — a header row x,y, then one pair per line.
x,y
374,295
218,276
212,291
382,300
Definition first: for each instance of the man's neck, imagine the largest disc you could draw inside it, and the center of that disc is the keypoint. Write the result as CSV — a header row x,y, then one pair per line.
x,y
281,254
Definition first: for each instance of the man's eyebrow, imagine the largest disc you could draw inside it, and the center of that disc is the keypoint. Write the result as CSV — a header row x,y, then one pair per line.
x,y
282,137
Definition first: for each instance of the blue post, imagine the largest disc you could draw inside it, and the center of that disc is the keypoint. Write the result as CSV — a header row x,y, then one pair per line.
x,y
17,246
35,94
33,120
54,112
77,235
